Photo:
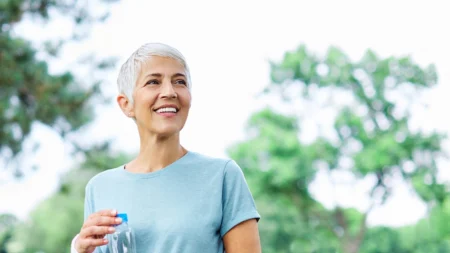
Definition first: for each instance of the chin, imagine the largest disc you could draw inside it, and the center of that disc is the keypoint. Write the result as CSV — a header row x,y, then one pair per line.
x,y
167,132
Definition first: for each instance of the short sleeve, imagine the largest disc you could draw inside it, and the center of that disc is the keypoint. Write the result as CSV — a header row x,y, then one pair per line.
x,y
238,204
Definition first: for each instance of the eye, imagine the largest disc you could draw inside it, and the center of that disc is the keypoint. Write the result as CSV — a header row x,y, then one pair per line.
x,y
153,81
180,81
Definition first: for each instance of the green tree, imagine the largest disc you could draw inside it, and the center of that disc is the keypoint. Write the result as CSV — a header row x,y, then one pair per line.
x,y
7,224
29,93
368,134
429,235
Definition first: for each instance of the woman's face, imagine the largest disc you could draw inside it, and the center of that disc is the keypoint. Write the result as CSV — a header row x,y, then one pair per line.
x,y
161,97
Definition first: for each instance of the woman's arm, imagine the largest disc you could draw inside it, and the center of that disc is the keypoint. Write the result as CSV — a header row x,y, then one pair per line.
x,y
243,238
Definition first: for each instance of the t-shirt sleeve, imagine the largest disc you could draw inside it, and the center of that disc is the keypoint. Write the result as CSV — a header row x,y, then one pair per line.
x,y
238,204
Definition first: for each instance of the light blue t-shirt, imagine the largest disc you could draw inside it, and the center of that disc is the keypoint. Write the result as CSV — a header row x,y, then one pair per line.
x,y
186,207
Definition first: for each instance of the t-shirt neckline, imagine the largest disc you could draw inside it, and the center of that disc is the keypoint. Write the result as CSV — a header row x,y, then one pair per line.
x,y
166,169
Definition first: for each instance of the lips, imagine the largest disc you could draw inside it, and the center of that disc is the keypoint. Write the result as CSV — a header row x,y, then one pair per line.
x,y
167,109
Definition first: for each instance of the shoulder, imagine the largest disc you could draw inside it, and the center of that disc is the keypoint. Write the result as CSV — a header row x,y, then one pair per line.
x,y
207,160
104,177
224,165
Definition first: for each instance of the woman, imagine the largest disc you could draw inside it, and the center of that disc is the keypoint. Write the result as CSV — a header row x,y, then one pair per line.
x,y
176,200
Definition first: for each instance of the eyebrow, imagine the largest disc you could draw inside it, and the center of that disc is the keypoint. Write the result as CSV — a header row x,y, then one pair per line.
x,y
160,75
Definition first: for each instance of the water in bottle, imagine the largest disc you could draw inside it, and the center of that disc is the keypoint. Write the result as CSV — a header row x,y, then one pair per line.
x,y
122,240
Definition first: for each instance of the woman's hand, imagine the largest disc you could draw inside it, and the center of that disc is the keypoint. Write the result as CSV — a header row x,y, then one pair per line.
x,y
94,229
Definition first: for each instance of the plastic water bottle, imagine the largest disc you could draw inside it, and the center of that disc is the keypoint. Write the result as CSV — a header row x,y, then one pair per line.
x,y
122,240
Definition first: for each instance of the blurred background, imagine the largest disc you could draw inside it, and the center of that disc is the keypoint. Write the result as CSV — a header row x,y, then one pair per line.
x,y
335,110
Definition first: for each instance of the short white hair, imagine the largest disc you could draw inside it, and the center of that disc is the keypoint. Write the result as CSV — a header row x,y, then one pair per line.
x,y
129,72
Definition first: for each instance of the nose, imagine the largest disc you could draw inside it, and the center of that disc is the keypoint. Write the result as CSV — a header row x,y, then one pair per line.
x,y
167,90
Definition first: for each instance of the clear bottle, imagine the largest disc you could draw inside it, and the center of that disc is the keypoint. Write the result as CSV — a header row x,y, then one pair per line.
x,y
122,240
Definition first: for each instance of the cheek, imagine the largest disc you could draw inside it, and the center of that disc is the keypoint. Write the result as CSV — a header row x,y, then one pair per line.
x,y
145,99
188,103
186,99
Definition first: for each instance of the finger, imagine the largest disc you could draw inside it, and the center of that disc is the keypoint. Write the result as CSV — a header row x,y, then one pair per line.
x,y
96,231
102,221
105,212
91,242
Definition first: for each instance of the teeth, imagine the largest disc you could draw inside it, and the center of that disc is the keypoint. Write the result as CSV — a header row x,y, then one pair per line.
x,y
166,109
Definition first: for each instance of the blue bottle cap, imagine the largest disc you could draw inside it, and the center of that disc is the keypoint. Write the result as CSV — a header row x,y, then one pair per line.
x,y
123,216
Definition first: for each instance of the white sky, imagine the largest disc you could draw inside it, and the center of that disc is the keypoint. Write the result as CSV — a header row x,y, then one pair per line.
x,y
228,46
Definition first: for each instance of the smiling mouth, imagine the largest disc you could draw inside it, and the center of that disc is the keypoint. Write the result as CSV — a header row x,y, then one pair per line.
x,y
167,110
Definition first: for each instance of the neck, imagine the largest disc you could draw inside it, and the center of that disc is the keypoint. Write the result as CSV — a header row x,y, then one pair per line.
x,y
156,153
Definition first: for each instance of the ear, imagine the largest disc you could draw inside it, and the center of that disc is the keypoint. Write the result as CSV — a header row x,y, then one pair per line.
x,y
125,105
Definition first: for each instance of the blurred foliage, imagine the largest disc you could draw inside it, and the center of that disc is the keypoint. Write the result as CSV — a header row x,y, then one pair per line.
x,y
372,134
7,225
54,222
371,130
29,93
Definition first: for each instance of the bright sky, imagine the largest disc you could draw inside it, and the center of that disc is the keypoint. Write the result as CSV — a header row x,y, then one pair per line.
x,y
228,46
